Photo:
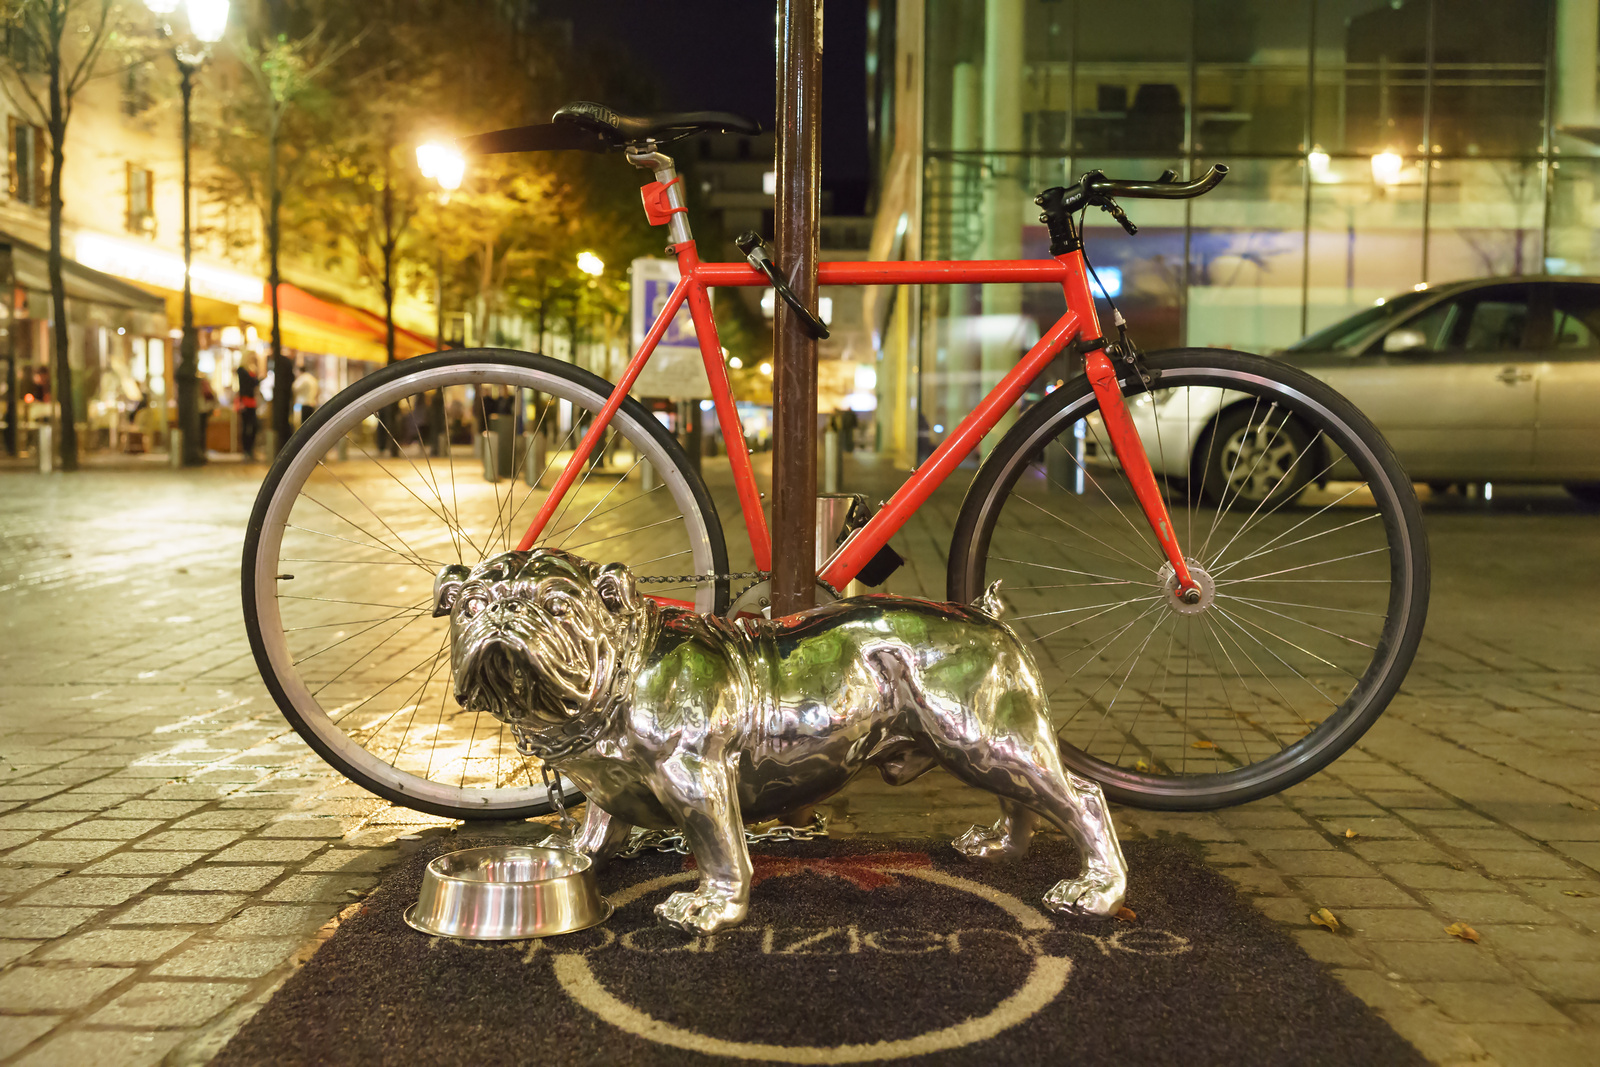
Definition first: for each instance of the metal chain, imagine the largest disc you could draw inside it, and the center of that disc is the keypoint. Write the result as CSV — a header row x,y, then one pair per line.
x,y
641,841
552,790
669,579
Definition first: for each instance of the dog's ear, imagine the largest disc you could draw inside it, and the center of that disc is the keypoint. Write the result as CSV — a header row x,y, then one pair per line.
x,y
447,586
618,591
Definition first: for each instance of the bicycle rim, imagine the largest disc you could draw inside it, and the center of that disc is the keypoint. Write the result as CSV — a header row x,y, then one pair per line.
x,y
342,552
1315,579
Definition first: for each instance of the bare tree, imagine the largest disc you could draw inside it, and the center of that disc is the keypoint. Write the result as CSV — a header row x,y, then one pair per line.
x,y
64,42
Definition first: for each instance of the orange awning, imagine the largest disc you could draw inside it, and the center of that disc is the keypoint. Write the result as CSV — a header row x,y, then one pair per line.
x,y
313,324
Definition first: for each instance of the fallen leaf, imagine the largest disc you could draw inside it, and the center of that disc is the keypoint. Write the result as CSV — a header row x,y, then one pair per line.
x,y
1204,744
1141,766
1324,917
1351,833
1127,915
1575,893
1463,931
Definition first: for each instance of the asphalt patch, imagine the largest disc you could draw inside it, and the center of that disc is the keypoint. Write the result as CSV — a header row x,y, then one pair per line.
x,y
855,951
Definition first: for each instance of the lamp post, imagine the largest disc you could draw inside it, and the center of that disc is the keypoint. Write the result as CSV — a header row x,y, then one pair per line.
x,y
446,167
207,20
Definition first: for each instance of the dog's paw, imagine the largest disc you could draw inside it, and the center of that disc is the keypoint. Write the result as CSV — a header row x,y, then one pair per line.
x,y
988,843
700,912
1094,893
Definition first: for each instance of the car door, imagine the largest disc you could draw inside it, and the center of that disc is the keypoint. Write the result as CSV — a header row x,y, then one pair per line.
x,y
1452,386
1566,437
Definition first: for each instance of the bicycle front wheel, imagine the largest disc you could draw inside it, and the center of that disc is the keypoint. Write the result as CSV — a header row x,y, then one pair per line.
x,y
435,460
1299,524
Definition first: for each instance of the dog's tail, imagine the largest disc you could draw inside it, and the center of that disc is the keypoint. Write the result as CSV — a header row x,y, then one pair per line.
x,y
990,603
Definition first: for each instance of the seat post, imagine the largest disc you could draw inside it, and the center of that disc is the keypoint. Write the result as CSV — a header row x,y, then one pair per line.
x,y
666,173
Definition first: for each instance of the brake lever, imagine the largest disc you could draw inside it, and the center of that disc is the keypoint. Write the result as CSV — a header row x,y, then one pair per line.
x,y
1112,208
755,251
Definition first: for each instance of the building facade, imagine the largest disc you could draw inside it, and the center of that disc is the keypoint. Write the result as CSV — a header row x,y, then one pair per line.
x,y
1374,146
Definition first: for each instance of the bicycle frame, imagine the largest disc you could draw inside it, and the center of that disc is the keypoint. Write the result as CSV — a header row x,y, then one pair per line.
x,y
664,205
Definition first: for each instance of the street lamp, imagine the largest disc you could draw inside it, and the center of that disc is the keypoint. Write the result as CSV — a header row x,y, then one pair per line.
x,y
447,167
207,19
591,264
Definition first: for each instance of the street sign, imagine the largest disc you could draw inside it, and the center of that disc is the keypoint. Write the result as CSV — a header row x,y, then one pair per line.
x,y
675,368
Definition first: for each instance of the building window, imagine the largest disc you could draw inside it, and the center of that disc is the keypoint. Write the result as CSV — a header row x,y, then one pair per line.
x,y
141,201
26,167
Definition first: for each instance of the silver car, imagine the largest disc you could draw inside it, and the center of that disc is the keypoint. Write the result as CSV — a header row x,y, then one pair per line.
x,y
1489,380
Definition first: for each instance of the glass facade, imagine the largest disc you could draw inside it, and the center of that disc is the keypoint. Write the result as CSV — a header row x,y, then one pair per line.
x,y
1374,145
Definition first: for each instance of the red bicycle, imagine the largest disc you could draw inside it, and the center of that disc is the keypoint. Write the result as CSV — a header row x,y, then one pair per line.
x,y
1216,559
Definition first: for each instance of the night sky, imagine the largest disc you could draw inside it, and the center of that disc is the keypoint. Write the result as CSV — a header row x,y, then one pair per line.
x,y
722,55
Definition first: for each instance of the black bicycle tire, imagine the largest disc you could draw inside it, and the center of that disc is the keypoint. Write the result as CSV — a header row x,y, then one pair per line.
x,y
631,410
985,501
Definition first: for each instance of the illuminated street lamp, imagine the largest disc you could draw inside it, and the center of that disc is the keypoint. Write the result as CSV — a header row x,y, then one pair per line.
x,y
208,20
1386,167
443,164
591,264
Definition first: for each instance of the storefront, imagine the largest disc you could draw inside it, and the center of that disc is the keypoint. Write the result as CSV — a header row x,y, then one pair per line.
x,y
118,352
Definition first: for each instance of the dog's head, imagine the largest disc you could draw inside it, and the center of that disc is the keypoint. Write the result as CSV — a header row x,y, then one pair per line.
x,y
536,637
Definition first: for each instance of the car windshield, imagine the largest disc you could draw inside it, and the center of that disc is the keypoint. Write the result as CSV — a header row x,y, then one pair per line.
x,y
1347,330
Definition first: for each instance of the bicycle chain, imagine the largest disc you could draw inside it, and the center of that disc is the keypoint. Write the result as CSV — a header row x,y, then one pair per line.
x,y
669,579
641,841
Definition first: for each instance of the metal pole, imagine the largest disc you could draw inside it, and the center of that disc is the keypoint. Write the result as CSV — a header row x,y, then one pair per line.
x,y
194,449
794,462
8,288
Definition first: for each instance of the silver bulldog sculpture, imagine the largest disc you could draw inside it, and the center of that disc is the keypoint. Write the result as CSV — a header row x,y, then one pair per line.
x,y
667,718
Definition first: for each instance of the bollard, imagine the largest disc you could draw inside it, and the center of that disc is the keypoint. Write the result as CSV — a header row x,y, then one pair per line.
x,y
441,445
174,446
489,451
647,477
504,428
831,462
534,460
47,447
343,449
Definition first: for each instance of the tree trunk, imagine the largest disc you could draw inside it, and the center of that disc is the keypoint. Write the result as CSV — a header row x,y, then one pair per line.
x,y
65,393
282,371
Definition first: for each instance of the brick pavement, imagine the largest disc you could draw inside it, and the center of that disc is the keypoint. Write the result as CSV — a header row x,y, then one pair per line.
x,y
168,849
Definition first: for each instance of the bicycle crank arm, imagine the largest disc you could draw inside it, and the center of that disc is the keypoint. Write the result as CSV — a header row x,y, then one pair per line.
x,y
1135,462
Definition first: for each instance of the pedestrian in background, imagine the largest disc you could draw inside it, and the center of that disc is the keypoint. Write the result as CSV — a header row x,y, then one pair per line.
x,y
246,403
208,404
307,392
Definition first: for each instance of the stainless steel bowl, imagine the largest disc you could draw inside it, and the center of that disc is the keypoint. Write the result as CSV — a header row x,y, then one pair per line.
x,y
506,893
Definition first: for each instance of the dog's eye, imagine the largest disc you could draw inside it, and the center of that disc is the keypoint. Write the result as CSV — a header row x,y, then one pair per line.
x,y
557,606
475,605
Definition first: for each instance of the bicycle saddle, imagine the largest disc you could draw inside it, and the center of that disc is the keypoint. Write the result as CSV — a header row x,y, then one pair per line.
x,y
627,129
588,127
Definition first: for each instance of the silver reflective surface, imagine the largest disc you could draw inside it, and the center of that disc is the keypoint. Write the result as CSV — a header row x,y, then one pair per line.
x,y
667,718
508,892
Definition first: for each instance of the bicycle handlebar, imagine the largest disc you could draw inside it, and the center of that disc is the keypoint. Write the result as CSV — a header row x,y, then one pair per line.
x,y
1096,184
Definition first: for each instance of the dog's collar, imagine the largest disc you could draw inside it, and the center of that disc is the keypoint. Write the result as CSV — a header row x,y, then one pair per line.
x,y
585,729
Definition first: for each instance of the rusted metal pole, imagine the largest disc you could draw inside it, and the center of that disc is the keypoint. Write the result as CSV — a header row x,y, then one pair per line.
x,y
794,382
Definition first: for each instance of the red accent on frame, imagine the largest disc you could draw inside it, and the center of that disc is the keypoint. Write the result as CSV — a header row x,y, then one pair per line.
x,y
603,417
1135,462
657,207
744,476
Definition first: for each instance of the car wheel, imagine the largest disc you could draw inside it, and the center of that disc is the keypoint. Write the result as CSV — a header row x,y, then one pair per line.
x,y
1588,492
1252,454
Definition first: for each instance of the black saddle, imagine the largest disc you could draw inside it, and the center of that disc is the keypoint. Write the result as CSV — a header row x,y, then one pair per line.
x,y
590,127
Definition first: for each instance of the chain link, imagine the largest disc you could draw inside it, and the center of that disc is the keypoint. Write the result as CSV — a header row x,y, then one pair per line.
x,y
553,791
670,579
641,841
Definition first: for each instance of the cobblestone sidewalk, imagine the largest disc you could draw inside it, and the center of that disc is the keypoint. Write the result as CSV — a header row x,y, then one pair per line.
x,y
168,848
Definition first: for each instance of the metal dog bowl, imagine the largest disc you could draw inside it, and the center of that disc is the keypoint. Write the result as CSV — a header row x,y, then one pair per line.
x,y
506,893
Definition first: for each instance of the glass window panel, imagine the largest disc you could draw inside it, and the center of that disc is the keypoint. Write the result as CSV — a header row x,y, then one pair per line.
x,y
1485,218
1366,238
1246,258
1577,316
1250,77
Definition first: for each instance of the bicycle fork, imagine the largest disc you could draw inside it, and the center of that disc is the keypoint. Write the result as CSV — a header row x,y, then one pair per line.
x,y
1135,461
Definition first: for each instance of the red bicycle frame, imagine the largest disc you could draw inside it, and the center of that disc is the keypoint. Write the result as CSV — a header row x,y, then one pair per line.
x,y
663,202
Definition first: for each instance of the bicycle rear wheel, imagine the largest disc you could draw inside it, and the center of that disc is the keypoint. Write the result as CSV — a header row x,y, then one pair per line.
x,y
367,502
1305,535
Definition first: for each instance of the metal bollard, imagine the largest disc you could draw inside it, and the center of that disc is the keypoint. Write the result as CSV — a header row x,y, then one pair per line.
x,y
534,460
489,448
832,462
647,477
342,450
47,448
174,446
